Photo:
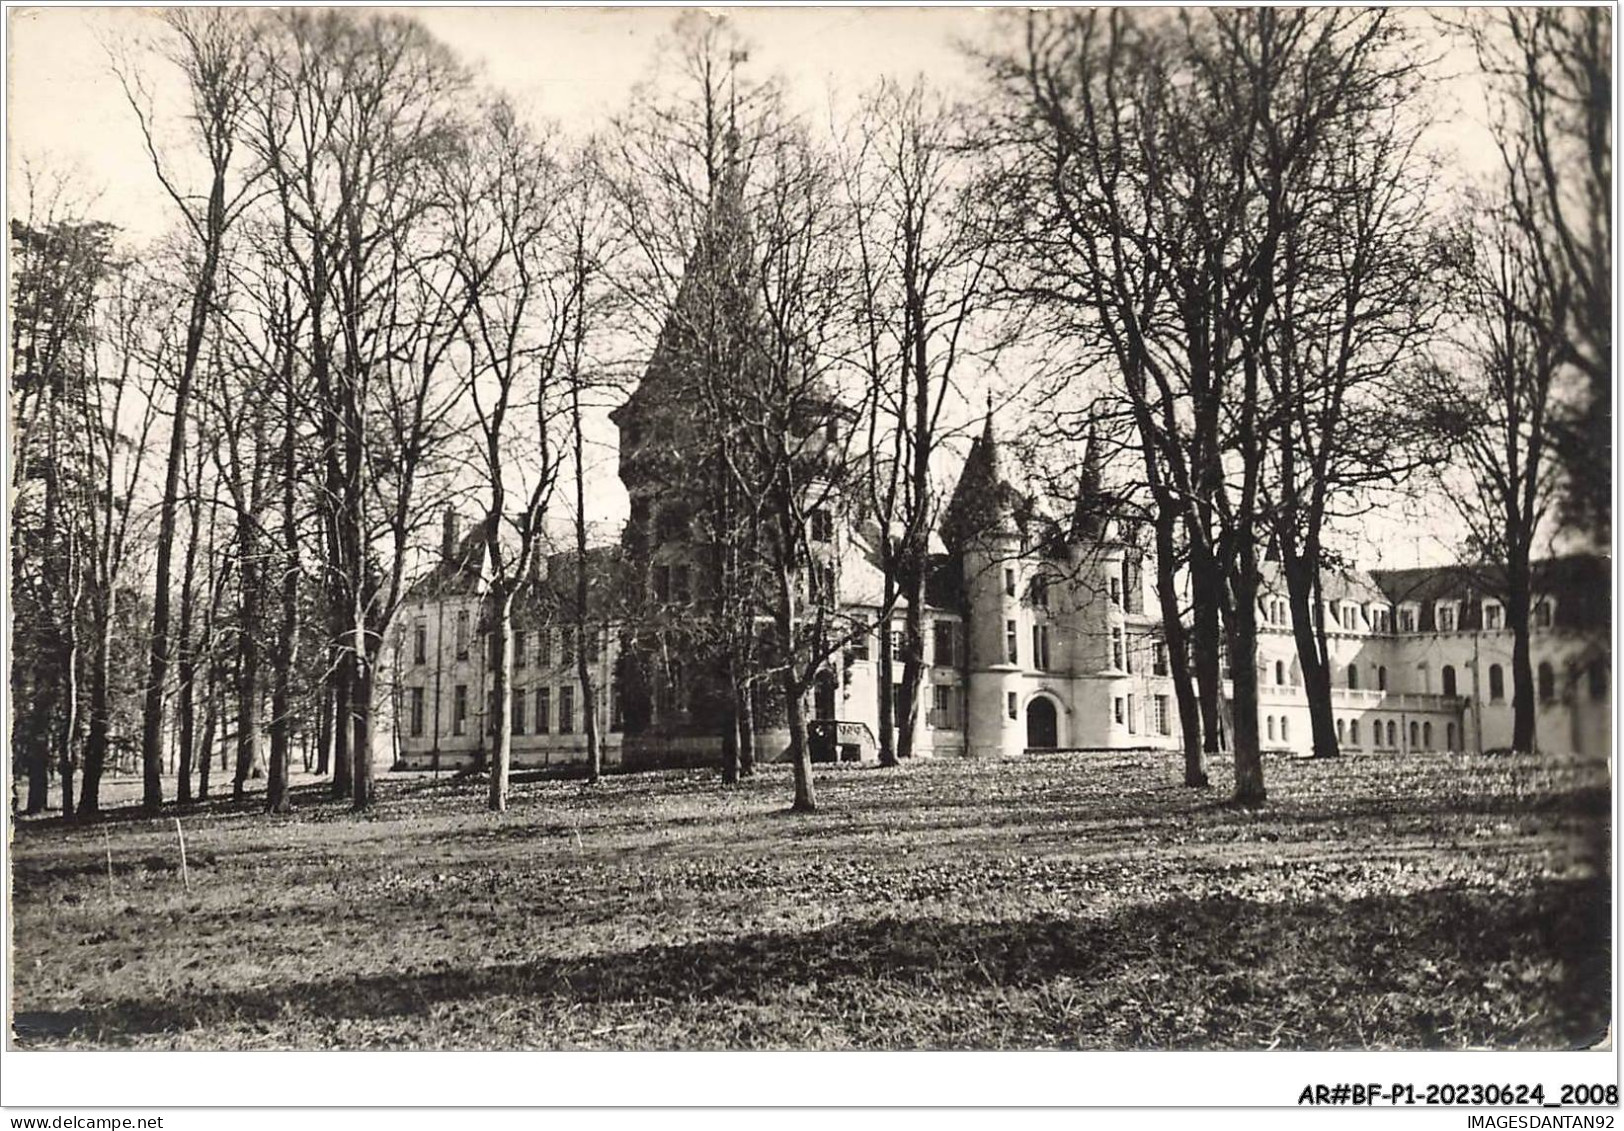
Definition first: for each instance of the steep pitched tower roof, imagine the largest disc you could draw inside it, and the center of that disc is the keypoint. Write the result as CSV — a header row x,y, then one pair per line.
x,y
1093,510
714,319
984,502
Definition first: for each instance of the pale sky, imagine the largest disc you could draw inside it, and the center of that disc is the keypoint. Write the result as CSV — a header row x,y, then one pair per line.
x,y
577,67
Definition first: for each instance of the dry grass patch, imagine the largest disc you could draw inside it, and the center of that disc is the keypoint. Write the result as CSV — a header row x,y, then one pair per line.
x,y
1432,900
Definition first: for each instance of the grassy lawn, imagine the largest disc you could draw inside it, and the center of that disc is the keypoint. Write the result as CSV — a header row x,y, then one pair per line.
x,y
1430,900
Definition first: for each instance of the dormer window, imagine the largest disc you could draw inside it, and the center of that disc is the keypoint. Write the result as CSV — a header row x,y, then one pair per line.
x,y
823,526
1408,618
1445,614
1543,613
1493,615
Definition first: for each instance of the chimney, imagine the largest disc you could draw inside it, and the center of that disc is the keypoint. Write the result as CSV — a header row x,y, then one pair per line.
x,y
448,538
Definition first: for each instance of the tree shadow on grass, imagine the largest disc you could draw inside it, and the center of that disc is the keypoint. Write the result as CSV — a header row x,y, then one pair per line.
x,y
1440,968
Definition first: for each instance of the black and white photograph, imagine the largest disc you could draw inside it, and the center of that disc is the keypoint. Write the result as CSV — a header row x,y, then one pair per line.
x,y
872,529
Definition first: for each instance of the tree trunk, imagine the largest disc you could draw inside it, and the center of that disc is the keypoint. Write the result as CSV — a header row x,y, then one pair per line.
x,y
800,752
884,668
502,697
186,660
1178,652
1299,571
913,659
248,720
158,660
730,742
1206,585
67,753
100,717
286,651
589,696
747,732
343,723
1518,588
1242,617
324,729
39,769
211,721
363,698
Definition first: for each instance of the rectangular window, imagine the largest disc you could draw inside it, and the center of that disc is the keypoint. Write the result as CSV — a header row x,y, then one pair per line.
x,y
1121,716
567,652
462,634
544,647
616,721
1040,647
1014,707
1133,717
420,643
417,712
1118,654
1446,618
1492,615
544,710
521,654
1116,591
459,709
1164,724
566,710
896,642
943,639
1009,582
1406,620
1012,642
859,644
518,712
1158,658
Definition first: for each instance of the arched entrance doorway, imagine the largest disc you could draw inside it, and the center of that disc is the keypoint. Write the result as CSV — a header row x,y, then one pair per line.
x,y
1042,728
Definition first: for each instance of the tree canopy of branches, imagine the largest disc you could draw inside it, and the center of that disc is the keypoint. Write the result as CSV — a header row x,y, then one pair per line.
x,y
1181,189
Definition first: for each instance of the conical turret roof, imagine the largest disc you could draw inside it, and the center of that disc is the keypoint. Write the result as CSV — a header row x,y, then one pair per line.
x,y
984,502
1093,510
715,312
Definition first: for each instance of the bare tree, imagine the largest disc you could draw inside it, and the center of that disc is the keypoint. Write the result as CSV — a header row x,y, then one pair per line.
x,y
796,431
517,303
1355,308
1494,401
684,284
924,279
212,50
61,262
589,247
119,410
1550,72
1176,154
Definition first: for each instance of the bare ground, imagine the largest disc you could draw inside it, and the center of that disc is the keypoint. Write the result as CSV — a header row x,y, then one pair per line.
x,y
1078,901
